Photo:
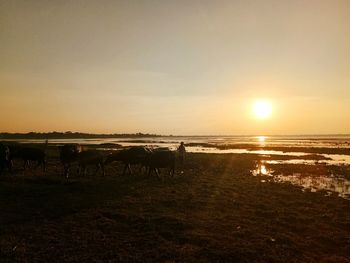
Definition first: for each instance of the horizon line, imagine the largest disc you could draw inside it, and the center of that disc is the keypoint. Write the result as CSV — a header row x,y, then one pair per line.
x,y
174,135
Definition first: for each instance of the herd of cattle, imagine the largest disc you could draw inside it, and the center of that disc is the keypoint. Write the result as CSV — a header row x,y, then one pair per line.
x,y
73,155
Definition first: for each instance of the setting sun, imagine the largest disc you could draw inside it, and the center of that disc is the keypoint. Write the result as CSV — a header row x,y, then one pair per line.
x,y
262,109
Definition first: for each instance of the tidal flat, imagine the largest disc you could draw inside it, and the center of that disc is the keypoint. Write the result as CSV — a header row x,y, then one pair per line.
x,y
214,211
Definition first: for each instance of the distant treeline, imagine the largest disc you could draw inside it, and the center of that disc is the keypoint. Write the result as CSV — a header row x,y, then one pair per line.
x,y
69,135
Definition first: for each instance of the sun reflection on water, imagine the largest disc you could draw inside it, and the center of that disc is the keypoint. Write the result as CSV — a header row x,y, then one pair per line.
x,y
337,185
312,183
261,138
262,170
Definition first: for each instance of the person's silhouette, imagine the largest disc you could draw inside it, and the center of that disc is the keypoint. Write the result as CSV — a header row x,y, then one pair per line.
x,y
182,151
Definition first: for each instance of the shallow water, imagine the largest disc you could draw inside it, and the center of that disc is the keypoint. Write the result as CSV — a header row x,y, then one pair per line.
x,y
317,183
336,159
333,141
313,183
172,142
198,149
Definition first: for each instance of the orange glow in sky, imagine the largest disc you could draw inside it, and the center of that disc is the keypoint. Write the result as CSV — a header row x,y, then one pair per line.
x,y
168,68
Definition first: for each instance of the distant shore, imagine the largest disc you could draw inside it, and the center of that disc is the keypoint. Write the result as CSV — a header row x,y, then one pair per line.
x,y
82,135
71,135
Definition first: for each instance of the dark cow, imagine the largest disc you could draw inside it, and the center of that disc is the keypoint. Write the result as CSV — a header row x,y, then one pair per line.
x,y
68,155
72,153
28,154
161,158
91,157
136,155
4,158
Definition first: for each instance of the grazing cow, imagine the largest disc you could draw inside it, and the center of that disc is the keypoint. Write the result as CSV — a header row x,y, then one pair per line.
x,y
161,158
68,155
72,153
91,157
29,154
136,155
4,158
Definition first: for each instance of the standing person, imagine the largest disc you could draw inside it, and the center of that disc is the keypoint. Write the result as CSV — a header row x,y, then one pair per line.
x,y
182,151
46,145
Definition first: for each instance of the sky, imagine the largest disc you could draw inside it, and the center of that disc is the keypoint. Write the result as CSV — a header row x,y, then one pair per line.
x,y
175,67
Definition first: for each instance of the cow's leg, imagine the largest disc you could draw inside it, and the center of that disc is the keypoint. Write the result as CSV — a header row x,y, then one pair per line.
x,y
151,169
39,163
81,169
172,171
25,164
157,172
98,166
66,173
140,169
65,170
125,168
146,169
143,169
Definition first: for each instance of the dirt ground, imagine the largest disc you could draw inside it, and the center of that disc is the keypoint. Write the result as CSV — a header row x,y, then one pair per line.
x,y
214,211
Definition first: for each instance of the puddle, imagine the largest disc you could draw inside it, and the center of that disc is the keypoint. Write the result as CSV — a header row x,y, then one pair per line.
x,y
239,151
261,170
336,159
318,183
330,184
